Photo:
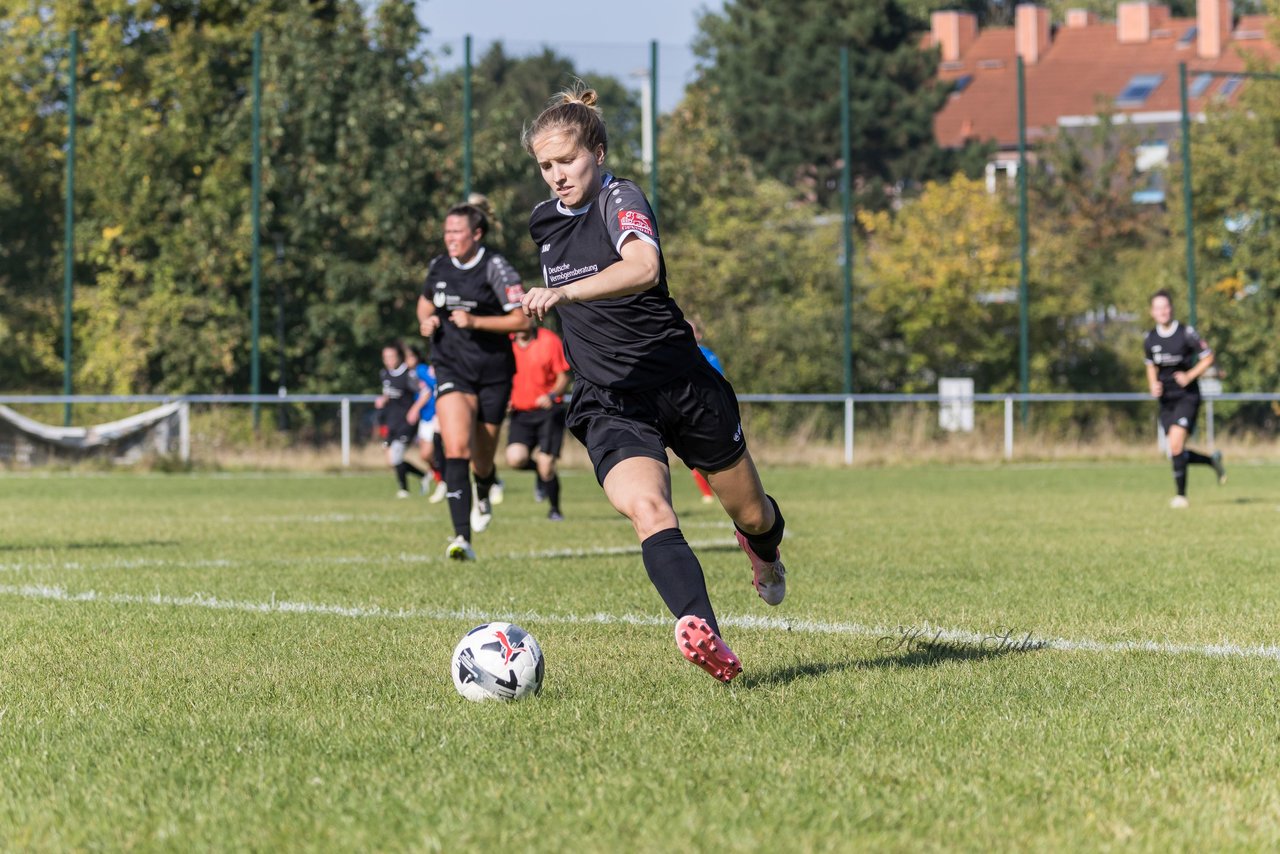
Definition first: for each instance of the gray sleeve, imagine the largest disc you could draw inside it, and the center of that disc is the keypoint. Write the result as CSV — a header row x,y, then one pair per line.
x,y
505,282
627,212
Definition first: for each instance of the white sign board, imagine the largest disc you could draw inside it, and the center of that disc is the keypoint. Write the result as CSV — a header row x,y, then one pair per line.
x,y
955,412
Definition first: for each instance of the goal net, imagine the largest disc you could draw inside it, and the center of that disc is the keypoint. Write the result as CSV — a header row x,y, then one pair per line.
x,y
27,442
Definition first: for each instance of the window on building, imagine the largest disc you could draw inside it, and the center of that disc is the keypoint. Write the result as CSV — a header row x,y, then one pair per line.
x,y
1188,37
1200,84
962,83
1229,86
1139,88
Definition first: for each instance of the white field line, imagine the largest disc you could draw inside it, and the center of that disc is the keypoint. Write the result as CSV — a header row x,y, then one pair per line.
x,y
920,638
330,560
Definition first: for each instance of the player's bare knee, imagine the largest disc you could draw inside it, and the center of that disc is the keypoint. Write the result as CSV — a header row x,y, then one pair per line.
x,y
650,514
517,456
755,518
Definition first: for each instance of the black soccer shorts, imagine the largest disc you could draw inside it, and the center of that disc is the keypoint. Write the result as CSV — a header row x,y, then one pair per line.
x,y
537,428
1180,411
492,397
695,415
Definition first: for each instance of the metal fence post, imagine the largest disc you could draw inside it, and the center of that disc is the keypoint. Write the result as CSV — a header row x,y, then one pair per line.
x,y
184,432
1208,419
346,432
848,431
1008,427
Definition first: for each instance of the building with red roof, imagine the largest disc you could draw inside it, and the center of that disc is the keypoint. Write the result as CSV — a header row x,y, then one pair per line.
x,y
1074,70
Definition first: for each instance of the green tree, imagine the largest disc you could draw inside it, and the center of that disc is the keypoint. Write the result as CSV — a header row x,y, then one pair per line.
x,y
163,193
1236,186
508,92
1089,238
777,69
32,161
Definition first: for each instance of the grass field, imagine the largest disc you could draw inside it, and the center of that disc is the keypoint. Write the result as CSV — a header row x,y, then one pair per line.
x,y
260,662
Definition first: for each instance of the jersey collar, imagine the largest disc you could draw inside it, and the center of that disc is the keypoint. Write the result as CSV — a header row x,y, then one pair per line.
x,y
605,180
474,261
1172,328
398,371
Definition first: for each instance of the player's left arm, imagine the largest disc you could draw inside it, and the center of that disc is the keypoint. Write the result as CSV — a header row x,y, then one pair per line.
x,y
513,321
1203,363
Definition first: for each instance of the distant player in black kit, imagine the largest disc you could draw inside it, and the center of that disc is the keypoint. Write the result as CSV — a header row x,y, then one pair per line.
x,y
400,386
1176,359
470,305
641,384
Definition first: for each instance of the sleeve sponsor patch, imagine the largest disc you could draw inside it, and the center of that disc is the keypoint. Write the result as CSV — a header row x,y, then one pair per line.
x,y
514,293
635,221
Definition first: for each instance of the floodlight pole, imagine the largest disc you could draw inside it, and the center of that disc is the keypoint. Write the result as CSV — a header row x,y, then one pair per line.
x,y
466,118
255,357
69,233
653,126
846,192
1023,343
1188,195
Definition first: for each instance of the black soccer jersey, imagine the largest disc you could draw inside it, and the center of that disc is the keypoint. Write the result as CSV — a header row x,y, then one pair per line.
x,y
400,388
1177,350
626,343
487,286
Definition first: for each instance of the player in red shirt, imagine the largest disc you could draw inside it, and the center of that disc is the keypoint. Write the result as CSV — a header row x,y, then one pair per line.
x,y
536,427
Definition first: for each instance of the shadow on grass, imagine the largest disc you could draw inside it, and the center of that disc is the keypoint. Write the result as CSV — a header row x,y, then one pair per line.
x,y
930,656
85,545
1248,500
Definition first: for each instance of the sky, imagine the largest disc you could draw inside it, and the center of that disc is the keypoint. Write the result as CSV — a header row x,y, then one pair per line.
x,y
613,38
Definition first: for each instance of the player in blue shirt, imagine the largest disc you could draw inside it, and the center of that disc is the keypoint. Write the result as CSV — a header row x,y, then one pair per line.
x,y
430,446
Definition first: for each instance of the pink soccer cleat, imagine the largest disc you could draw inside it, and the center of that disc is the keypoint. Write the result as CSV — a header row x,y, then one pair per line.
x,y
706,649
769,578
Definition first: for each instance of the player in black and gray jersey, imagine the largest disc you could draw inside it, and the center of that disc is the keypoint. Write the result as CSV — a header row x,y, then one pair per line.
x,y
642,386
470,305
1176,359
400,387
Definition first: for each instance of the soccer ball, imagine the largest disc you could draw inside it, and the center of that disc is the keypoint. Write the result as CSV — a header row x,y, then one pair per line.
x,y
497,661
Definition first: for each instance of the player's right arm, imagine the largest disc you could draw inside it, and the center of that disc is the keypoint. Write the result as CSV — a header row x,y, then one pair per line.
x,y
1153,380
428,320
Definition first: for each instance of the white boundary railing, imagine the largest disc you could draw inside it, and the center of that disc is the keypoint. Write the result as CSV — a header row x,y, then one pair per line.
x,y
850,401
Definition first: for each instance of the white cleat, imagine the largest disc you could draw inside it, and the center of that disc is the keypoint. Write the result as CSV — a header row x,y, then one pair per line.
x,y
1216,460
459,549
1179,502
439,494
402,493
496,493
481,516
769,578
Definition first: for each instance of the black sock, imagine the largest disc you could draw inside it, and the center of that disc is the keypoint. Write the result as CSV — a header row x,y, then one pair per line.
x,y
675,572
551,489
410,468
766,545
1180,472
483,484
457,483
402,476
1197,458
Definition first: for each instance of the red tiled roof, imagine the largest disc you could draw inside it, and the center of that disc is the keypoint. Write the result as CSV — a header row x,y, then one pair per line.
x,y
1083,70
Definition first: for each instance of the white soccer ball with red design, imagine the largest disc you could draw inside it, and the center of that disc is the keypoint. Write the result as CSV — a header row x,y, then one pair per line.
x,y
497,661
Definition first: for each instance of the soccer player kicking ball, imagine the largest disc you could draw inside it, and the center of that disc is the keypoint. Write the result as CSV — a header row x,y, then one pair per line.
x,y
641,386
1176,359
